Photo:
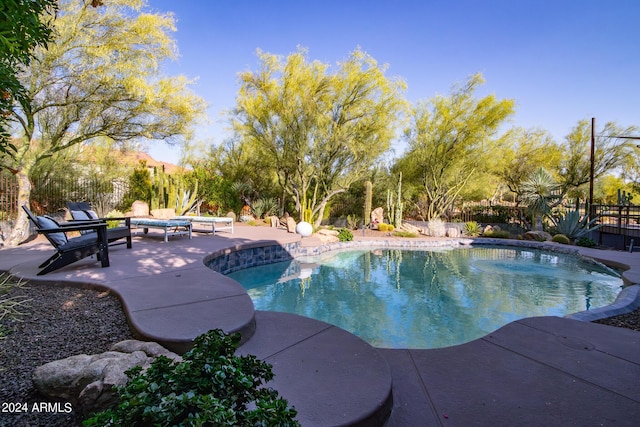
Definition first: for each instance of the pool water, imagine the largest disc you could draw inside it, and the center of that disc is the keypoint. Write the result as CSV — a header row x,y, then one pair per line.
x,y
430,298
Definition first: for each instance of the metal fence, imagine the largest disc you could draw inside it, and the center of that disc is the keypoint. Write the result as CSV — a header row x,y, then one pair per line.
x,y
51,195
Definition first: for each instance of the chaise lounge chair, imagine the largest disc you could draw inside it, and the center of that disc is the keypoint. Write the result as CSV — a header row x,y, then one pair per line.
x,y
81,211
71,250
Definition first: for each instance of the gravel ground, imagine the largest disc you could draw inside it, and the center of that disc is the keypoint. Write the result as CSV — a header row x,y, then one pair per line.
x,y
63,322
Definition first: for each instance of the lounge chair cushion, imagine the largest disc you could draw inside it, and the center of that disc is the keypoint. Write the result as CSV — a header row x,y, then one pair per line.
x,y
91,214
47,223
79,215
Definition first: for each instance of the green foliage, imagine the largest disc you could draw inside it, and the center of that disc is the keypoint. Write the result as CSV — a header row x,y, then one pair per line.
x,y
345,235
139,186
169,191
472,229
24,25
352,221
405,234
449,139
561,238
368,197
101,79
498,234
264,207
210,386
572,224
383,227
114,214
395,205
585,242
318,131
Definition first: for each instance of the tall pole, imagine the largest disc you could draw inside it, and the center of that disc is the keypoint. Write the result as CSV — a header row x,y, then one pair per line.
x,y
592,165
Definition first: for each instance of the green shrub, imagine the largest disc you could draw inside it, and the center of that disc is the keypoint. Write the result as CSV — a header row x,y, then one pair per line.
x,y
586,242
405,234
383,227
472,229
498,234
561,238
114,214
210,386
345,235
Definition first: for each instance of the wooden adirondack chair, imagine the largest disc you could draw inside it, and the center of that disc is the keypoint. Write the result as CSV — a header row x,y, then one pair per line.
x,y
71,250
81,211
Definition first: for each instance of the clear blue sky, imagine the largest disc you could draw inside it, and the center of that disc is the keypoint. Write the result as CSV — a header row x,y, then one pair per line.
x,y
560,60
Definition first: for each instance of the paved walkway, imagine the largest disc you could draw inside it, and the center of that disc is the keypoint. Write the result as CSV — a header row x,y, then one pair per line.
x,y
538,371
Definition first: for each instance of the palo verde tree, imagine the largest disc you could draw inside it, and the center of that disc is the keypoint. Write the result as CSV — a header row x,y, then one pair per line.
x,y
610,153
525,151
319,129
24,25
101,78
450,138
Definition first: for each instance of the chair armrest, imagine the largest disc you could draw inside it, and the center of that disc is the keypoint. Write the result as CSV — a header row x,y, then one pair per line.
x,y
92,225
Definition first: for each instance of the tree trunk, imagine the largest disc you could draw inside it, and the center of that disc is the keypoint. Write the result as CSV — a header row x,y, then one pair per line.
x,y
20,231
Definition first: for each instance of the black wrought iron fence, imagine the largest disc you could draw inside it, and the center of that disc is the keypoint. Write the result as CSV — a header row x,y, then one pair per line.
x,y
51,195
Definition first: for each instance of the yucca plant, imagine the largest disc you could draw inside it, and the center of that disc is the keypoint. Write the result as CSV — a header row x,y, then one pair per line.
x,y
264,207
472,229
572,224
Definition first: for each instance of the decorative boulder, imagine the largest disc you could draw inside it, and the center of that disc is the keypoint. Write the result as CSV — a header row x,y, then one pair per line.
x,y
275,221
304,229
540,236
139,208
492,228
327,236
377,217
411,228
453,232
89,381
291,224
231,214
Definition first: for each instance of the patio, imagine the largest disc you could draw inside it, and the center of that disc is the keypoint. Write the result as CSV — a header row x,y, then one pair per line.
x,y
537,371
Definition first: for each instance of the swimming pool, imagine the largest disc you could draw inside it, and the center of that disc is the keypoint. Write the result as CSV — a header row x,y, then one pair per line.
x,y
430,298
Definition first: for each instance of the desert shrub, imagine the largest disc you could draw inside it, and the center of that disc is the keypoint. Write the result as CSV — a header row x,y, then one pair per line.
x,y
585,242
472,229
352,221
403,233
561,238
345,235
436,228
497,234
114,214
210,386
10,307
383,227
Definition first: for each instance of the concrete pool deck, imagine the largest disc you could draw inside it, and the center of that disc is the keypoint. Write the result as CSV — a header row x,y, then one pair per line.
x,y
535,371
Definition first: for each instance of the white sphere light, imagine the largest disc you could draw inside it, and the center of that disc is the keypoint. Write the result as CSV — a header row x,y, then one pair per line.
x,y
304,229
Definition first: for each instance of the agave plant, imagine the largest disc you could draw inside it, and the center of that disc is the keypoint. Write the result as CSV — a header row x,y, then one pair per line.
x,y
572,224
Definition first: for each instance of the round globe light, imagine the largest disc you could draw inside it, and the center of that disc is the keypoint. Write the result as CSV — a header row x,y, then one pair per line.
x,y
304,229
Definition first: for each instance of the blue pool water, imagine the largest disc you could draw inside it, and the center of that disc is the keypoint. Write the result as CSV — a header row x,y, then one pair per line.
x,y
430,298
